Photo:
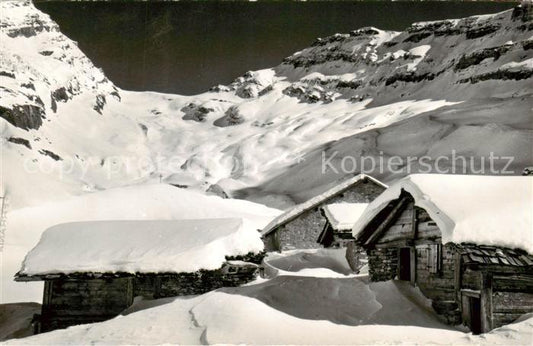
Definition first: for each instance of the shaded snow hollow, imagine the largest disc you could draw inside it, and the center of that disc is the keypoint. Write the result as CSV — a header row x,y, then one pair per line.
x,y
487,210
163,246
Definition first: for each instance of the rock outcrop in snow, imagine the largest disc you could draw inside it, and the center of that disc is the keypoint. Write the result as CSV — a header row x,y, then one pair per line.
x,y
48,69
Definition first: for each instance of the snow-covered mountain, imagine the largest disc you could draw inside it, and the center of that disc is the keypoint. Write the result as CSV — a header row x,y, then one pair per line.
x,y
453,84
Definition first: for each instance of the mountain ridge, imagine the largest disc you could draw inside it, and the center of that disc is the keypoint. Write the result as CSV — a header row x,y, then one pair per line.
x,y
262,136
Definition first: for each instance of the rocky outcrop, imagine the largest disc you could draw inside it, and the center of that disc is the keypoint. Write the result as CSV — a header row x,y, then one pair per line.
x,y
51,154
482,30
21,141
410,77
478,56
196,112
232,117
100,102
58,95
501,74
7,74
309,93
26,117
216,190
524,11
250,85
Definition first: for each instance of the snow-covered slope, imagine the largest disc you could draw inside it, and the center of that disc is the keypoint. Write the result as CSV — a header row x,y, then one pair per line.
x,y
436,86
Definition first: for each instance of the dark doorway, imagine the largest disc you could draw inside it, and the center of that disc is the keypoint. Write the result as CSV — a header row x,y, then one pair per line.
x,y
475,315
405,264
326,238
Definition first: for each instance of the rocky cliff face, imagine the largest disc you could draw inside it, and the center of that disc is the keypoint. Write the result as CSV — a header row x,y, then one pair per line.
x,y
41,68
462,84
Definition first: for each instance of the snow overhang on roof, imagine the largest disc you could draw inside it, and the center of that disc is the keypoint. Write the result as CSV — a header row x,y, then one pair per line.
x,y
139,247
484,210
316,201
342,216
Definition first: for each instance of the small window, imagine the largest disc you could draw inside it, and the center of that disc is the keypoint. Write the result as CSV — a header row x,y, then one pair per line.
x,y
434,258
232,269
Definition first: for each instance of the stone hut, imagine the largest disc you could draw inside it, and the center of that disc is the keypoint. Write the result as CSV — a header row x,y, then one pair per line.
x,y
92,271
465,241
300,226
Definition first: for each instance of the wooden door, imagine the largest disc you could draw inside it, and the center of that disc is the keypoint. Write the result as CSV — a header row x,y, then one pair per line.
x,y
404,271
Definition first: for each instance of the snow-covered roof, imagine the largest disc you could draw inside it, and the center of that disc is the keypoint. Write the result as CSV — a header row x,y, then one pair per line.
x,y
169,246
315,201
342,216
484,210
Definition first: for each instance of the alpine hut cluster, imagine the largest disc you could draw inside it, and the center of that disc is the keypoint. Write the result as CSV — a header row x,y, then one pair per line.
x,y
301,226
93,270
465,241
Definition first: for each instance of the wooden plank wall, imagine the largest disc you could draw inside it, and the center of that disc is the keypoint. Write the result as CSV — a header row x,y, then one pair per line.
x,y
401,229
512,296
70,302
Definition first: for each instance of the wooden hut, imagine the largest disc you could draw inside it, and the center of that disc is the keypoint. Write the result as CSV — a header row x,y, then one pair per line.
x,y
300,226
93,270
465,241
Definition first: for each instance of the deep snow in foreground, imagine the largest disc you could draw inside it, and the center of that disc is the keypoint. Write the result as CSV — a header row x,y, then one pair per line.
x,y
330,311
288,309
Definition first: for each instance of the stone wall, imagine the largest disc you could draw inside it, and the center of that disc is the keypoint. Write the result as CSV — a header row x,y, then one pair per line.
x,y
382,263
303,231
171,285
